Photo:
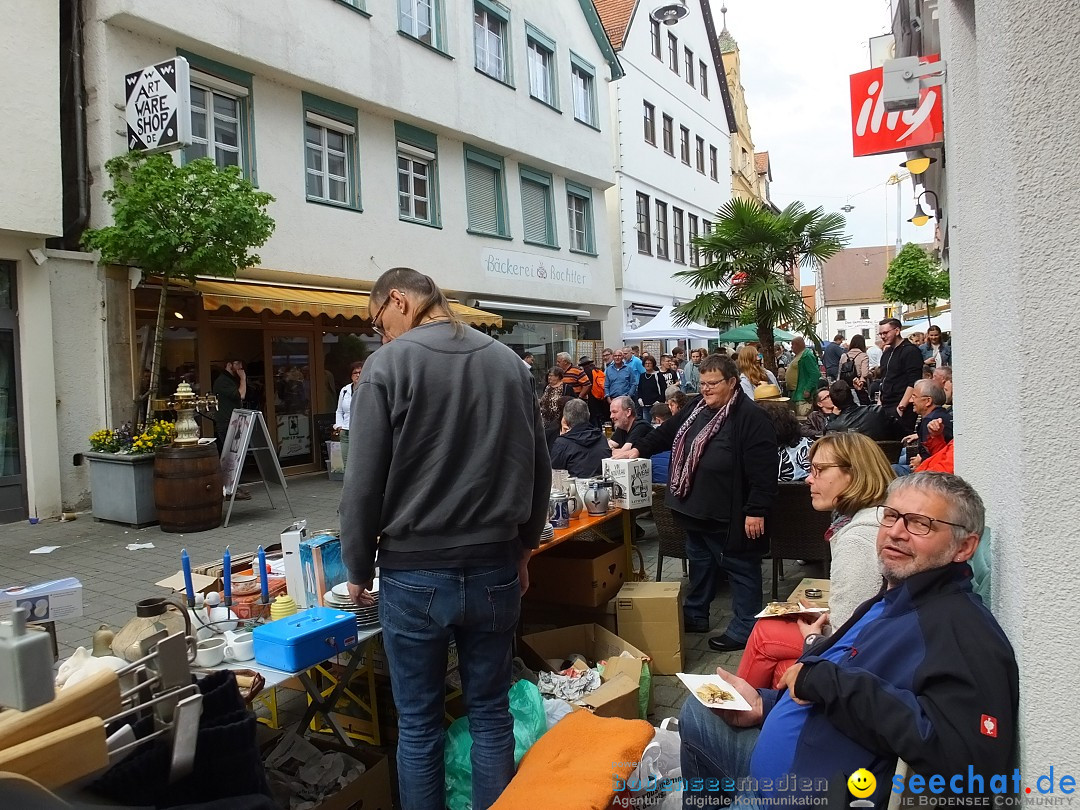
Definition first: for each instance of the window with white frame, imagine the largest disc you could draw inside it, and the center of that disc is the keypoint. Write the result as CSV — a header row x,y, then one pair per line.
x,y
654,34
714,171
700,154
841,314
644,229
485,193
684,145
489,42
669,135
541,58
417,170
583,81
328,150
661,230
678,235
649,113
694,255
419,19
866,333
537,207
673,52
688,64
703,78
579,215
217,120
864,312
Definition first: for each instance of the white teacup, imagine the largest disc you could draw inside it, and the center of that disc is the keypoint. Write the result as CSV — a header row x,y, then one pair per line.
x,y
210,652
241,648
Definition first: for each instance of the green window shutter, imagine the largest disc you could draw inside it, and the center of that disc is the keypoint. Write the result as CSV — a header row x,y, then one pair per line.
x,y
534,211
482,189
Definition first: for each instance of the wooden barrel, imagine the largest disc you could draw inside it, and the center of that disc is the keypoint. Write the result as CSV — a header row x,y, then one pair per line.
x,y
187,488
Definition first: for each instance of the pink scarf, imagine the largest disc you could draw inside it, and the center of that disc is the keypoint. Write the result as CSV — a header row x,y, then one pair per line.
x,y
683,463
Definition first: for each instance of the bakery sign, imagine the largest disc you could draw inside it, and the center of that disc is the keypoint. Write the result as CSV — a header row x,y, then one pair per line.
x,y
548,271
875,131
157,106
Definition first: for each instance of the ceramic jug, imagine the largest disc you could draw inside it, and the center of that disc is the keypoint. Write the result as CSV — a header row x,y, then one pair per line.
x,y
574,498
596,498
151,615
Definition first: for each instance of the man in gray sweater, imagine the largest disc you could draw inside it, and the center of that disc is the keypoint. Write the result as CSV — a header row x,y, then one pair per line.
x,y
448,479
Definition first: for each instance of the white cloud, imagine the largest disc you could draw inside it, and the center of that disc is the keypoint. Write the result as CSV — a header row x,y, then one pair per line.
x,y
796,58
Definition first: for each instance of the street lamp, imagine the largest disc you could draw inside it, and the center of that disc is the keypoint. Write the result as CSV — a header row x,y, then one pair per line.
x,y
920,217
918,164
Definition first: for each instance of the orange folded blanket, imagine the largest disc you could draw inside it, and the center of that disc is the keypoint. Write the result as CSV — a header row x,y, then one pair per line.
x,y
577,764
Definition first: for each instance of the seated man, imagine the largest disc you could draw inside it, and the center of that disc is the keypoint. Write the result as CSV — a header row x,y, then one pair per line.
x,y
868,420
928,402
581,448
921,672
943,377
628,428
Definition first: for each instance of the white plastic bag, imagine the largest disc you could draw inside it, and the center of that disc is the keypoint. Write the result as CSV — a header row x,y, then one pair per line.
x,y
660,759
555,710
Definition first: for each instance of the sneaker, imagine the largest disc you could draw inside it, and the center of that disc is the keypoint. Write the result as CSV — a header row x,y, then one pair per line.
x,y
724,643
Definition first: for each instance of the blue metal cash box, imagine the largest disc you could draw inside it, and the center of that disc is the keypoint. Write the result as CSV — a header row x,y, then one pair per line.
x,y
304,639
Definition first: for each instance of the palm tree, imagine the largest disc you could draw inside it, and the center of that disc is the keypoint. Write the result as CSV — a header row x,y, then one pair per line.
x,y
751,270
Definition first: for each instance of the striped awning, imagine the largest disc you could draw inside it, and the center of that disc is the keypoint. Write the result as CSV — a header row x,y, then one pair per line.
x,y
281,299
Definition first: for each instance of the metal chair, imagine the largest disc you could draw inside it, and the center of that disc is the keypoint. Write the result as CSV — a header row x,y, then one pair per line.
x,y
797,530
672,538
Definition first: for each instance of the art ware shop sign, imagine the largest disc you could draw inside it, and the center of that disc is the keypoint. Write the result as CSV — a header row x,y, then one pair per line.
x,y
547,271
158,106
875,131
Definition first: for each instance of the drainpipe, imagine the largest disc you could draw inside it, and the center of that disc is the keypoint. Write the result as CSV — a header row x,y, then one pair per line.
x,y
73,232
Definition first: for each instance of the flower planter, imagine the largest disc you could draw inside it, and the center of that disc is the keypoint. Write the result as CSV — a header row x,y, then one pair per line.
x,y
122,488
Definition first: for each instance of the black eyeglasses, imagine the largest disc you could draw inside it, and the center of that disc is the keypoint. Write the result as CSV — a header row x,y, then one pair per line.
x,y
378,330
916,524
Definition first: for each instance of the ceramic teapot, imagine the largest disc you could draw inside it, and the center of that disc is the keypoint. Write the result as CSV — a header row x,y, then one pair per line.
x,y
151,616
573,496
596,498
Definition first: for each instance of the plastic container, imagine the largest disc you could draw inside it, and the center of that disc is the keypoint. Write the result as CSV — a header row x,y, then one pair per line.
x,y
305,639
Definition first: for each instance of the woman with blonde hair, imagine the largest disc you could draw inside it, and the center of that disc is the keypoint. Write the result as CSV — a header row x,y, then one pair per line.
x,y
751,372
849,476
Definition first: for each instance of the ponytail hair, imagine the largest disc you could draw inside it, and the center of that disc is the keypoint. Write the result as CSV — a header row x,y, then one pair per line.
x,y
423,292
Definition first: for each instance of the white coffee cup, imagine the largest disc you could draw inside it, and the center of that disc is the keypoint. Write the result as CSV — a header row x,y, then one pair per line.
x,y
210,652
241,648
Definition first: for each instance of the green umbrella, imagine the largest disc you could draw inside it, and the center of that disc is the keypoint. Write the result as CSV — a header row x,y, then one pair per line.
x,y
748,332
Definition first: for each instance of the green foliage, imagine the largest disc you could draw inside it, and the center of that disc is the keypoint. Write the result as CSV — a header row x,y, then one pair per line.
x,y
915,277
181,221
752,261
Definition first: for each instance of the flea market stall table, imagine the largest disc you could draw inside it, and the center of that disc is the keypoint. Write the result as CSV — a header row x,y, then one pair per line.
x,y
586,522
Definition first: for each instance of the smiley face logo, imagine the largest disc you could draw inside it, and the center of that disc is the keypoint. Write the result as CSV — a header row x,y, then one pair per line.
x,y
861,783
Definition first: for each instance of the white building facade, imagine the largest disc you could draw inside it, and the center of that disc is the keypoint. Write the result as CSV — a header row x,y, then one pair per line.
x,y
671,112
466,138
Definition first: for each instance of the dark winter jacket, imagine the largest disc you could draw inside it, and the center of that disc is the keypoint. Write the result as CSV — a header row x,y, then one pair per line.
x,y
929,677
868,420
581,451
736,478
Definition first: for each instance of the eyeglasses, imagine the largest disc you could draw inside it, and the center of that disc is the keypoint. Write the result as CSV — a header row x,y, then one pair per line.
x,y
916,524
818,469
886,333
375,327
709,386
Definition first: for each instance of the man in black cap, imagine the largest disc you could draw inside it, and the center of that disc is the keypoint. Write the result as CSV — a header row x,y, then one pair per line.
x,y
594,394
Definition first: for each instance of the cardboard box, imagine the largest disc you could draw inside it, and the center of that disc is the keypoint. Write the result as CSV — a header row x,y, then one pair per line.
x,y
537,615
618,694
52,601
649,616
633,481
322,567
584,573
369,791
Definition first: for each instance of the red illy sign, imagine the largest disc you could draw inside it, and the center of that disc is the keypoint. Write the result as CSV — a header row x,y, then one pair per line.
x,y
875,131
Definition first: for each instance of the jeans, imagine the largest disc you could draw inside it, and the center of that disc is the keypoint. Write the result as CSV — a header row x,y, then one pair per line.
x,y
420,612
712,754
704,552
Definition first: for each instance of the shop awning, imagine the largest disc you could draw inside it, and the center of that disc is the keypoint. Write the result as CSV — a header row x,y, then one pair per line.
x,y
280,299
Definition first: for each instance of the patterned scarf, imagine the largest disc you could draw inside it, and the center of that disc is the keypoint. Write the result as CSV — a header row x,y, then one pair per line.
x,y
839,522
683,463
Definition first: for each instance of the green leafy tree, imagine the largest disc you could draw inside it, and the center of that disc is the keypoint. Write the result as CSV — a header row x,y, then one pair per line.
x,y
915,277
752,260
178,222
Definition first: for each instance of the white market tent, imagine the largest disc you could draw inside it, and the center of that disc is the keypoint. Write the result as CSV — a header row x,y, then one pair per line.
x,y
942,321
663,326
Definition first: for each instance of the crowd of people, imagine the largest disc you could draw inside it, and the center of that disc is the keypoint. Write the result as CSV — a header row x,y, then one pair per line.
x,y
455,513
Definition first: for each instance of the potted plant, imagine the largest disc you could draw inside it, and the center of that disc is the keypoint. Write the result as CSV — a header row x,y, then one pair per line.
x,y
122,471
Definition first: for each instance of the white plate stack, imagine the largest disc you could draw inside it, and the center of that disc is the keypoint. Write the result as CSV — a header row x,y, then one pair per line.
x,y
339,599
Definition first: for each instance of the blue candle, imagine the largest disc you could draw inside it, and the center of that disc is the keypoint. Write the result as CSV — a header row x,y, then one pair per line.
x,y
227,576
185,562
264,585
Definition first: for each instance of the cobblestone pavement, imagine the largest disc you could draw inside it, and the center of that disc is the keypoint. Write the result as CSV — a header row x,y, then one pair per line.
x,y
114,578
